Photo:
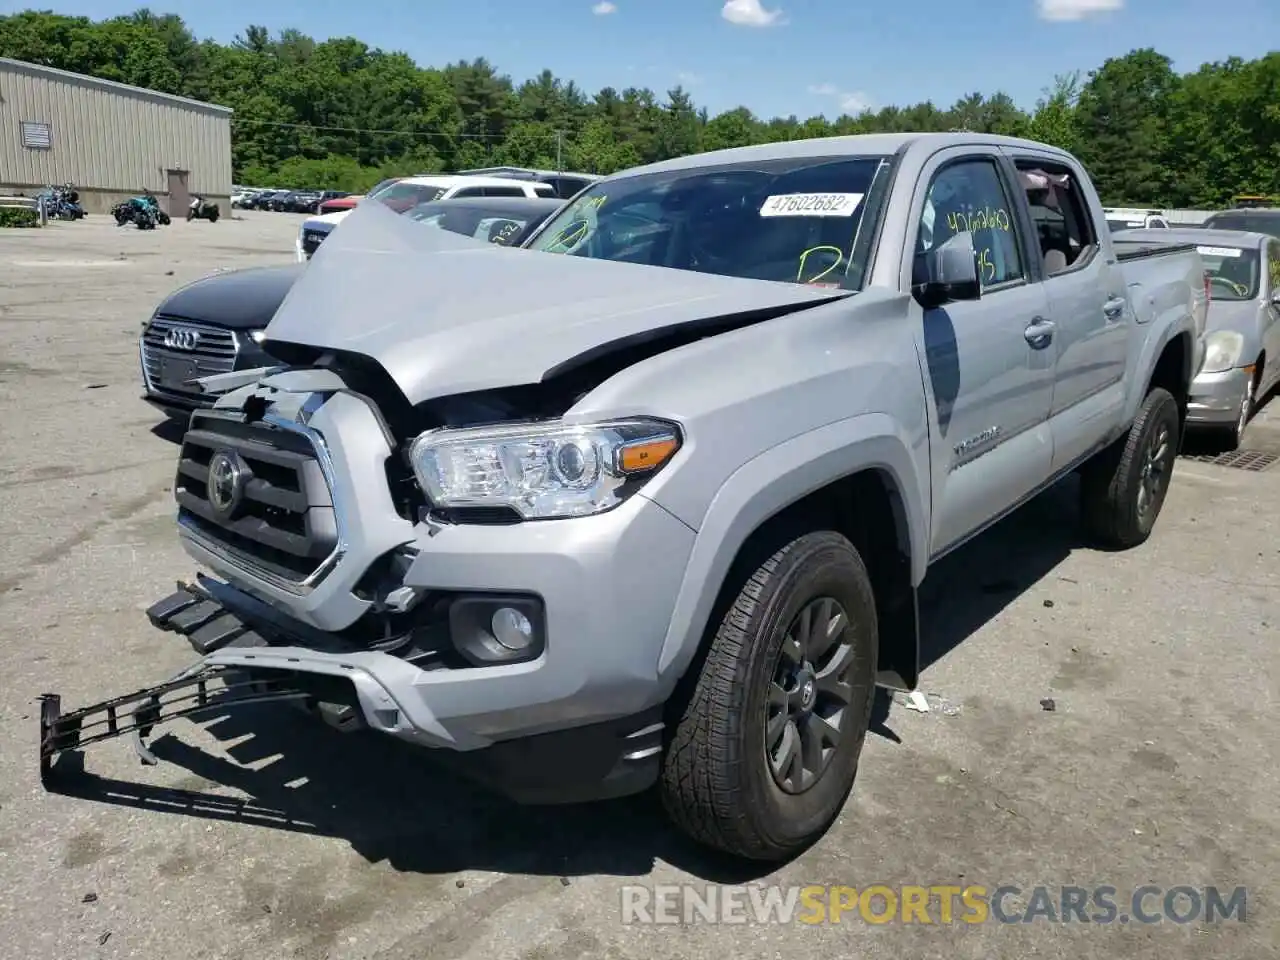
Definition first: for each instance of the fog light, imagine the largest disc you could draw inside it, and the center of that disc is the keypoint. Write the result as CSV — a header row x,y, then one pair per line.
x,y
512,629
490,629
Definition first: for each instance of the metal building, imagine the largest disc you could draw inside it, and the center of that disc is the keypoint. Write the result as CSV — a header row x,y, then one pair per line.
x,y
109,139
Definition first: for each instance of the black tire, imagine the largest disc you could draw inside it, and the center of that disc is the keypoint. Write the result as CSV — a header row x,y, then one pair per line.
x,y
718,783
213,215
1122,490
191,215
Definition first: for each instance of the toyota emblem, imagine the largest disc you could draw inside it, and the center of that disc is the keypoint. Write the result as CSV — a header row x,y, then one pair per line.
x,y
182,338
226,481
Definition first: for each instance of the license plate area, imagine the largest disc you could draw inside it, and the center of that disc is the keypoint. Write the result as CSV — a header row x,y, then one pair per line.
x,y
175,372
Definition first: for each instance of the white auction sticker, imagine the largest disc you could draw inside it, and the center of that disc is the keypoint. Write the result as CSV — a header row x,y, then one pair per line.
x,y
1221,251
811,205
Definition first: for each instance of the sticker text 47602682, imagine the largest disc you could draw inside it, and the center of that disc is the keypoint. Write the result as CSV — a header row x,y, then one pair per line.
x,y
811,205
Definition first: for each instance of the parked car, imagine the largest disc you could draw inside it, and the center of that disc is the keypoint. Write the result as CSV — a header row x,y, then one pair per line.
x,y
325,197
262,199
216,324
349,201
404,194
1242,339
1255,220
647,500
1124,219
564,184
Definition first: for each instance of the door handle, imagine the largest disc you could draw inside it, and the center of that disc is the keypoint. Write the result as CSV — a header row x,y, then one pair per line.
x,y
1114,308
1040,333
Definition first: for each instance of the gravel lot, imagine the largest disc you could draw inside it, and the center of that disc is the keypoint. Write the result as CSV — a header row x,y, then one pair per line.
x,y
263,835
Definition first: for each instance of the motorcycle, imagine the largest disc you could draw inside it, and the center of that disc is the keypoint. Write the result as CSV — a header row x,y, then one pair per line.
x,y
199,209
61,202
143,211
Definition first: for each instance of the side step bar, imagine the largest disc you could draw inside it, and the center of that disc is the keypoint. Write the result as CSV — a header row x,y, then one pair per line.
x,y
203,689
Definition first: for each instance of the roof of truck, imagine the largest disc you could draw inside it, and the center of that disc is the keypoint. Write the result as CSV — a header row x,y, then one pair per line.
x,y
1198,236
869,144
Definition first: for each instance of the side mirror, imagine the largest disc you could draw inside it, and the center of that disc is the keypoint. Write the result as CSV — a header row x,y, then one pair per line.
x,y
952,273
1275,297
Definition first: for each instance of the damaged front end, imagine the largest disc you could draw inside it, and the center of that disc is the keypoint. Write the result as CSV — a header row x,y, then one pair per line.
x,y
334,585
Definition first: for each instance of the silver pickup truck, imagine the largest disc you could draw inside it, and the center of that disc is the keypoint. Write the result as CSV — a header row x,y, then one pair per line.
x,y
649,501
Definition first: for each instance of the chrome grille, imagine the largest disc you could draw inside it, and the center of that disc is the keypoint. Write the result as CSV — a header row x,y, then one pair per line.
x,y
284,523
193,350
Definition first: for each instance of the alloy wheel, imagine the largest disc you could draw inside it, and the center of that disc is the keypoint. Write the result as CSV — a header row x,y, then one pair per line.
x,y
1157,464
809,695
1246,407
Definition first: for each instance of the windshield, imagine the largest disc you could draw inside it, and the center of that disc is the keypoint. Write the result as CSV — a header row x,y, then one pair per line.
x,y
1261,223
1233,272
504,227
796,220
403,196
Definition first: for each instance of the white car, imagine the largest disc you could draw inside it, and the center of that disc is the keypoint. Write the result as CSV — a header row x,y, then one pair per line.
x,y
405,194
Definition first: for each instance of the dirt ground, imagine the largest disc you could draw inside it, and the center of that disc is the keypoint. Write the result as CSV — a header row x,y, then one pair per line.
x,y
265,835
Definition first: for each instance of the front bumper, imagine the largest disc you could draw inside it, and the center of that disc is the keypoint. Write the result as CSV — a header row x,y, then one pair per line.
x,y
250,655
1215,398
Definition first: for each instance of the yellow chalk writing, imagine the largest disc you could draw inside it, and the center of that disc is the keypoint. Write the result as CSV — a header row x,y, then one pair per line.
x,y
986,266
804,258
984,218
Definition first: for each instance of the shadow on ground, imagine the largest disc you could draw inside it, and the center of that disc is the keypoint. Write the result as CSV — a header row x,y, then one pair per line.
x,y
394,803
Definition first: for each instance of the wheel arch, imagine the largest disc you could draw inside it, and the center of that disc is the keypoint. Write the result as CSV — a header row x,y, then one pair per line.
x,y
856,476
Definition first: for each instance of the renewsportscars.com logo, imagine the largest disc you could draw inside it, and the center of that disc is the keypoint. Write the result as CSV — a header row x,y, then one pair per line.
x,y
935,904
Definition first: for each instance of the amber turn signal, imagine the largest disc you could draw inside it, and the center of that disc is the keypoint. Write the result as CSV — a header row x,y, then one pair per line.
x,y
646,454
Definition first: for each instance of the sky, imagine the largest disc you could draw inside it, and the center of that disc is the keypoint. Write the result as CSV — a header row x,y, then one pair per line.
x,y
777,57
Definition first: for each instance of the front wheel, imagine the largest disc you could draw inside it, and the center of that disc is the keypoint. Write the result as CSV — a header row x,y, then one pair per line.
x,y
1123,488
191,215
764,755
1233,438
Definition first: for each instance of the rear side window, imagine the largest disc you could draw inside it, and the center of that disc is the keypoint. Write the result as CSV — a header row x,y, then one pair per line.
x,y
503,192
1064,226
970,195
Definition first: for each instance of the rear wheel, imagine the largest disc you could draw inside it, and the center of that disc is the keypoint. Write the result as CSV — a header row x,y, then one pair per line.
x,y
765,752
1122,490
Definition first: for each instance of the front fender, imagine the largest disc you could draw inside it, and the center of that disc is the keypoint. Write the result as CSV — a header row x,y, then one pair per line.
x,y
767,484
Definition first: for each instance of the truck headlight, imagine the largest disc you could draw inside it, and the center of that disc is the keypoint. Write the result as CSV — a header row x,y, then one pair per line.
x,y
1222,350
257,336
542,471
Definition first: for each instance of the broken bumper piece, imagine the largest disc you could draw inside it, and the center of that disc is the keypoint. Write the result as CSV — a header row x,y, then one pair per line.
x,y
202,689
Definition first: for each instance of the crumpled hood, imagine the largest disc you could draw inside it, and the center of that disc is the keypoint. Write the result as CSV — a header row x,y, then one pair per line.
x,y
445,314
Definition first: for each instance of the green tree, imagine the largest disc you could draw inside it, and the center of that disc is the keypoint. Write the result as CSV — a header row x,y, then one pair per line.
x,y
1122,120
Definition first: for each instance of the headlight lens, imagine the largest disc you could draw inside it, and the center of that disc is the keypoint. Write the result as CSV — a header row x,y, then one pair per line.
x,y
542,471
257,336
1222,351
